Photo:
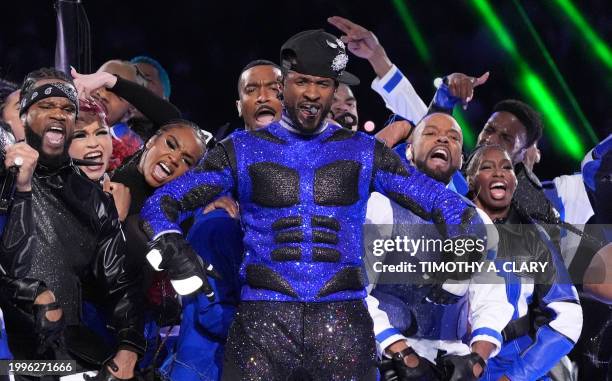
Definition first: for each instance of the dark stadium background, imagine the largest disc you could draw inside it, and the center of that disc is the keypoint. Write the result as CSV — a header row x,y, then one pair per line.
x,y
204,44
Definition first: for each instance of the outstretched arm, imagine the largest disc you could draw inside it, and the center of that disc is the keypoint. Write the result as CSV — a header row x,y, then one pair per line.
x,y
156,109
397,92
393,86
424,196
170,204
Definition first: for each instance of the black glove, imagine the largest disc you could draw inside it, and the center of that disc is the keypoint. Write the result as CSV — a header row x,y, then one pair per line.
x,y
422,372
49,333
387,370
438,295
462,273
105,375
182,263
461,368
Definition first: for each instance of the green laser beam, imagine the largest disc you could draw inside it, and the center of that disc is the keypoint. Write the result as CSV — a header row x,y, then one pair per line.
x,y
469,140
557,73
504,38
533,86
419,42
557,121
600,48
413,31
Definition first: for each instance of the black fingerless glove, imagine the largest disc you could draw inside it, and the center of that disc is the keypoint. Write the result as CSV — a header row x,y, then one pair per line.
x,y
461,368
438,295
422,372
49,333
187,271
105,375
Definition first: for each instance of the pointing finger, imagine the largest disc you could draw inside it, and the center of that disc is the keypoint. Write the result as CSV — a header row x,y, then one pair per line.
x,y
341,23
480,80
74,73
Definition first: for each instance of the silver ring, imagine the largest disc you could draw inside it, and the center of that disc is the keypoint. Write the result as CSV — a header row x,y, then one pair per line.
x,y
18,161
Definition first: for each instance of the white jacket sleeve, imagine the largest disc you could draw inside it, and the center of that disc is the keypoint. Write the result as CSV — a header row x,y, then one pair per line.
x,y
399,95
384,332
378,225
379,213
490,310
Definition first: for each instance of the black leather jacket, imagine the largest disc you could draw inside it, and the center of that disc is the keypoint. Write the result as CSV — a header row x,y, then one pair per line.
x,y
65,236
520,241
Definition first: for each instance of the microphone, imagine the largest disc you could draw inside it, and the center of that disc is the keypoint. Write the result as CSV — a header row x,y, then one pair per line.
x,y
346,119
85,162
9,184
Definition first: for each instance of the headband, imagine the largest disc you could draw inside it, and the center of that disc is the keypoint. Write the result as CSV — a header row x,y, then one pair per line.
x,y
55,89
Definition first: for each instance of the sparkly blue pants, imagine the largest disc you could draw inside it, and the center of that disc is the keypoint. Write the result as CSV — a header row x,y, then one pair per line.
x,y
301,341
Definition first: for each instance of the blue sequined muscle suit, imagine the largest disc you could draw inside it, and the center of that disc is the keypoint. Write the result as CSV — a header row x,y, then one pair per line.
x,y
303,201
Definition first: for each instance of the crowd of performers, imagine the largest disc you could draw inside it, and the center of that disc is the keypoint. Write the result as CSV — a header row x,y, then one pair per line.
x,y
140,247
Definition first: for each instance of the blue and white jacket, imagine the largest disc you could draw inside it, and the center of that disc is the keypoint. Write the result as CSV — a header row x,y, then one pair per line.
x,y
398,310
530,355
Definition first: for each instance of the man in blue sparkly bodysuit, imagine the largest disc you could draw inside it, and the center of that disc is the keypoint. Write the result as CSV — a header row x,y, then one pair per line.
x,y
302,185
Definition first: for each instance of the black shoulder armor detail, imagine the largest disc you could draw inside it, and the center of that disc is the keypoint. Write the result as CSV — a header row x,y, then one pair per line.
x,y
268,136
412,205
215,160
289,236
323,236
340,135
170,207
387,160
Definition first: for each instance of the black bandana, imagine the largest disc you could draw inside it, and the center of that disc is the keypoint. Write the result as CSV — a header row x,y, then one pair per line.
x,y
55,89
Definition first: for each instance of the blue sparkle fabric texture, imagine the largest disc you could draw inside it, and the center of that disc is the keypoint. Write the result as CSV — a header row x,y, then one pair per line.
x,y
302,203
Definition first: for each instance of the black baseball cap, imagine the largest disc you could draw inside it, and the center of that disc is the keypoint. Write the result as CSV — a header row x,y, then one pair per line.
x,y
316,52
